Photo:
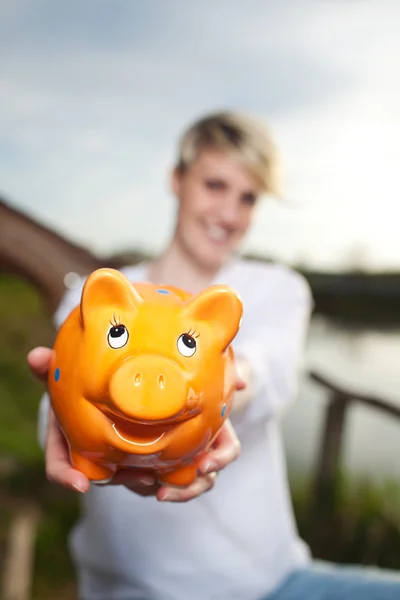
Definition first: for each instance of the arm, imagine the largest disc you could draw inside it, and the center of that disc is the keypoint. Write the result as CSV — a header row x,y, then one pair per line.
x,y
270,353
243,397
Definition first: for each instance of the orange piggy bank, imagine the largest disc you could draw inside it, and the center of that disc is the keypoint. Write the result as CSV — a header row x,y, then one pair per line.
x,y
143,376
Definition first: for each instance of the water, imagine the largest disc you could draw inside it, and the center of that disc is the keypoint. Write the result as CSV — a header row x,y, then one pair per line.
x,y
360,359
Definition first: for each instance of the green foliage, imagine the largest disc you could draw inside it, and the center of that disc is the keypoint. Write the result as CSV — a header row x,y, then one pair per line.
x,y
23,324
359,524
59,516
53,575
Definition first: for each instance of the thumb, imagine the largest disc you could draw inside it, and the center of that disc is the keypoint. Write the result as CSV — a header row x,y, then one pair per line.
x,y
39,361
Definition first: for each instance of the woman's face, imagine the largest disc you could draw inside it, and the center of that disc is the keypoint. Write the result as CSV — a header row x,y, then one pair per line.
x,y
217,197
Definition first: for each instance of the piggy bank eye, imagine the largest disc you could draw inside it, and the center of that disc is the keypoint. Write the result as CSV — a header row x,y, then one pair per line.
x,y
117,336
186,344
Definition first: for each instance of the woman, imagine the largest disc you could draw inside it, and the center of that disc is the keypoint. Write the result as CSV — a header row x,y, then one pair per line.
x,y
238,541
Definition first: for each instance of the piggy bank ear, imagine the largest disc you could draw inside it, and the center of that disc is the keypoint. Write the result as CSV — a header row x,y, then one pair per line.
x,y
108,287
221,307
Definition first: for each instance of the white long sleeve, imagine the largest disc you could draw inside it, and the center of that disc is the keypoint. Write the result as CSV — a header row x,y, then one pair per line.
x,y
276,319
128,546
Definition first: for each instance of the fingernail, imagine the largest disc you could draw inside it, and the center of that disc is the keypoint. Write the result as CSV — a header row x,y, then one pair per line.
x,y
78,487
170,496
33,351
209,467
146,480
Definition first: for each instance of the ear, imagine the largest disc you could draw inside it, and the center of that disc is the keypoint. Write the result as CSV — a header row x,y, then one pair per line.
x,y
108,287
221,307
175,182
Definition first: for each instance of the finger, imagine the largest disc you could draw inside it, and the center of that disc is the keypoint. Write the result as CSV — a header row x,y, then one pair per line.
x,y
140,481
133,477
226,448
240,384
58,465
39,361
143,490
199,486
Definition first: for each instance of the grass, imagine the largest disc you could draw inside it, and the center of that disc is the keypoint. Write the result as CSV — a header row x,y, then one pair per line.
x,y
52,546
53,570
359,524
24,324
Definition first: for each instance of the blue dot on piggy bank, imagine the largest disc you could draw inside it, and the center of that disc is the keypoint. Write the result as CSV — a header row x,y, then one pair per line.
x,y
223,410
57,374
163,291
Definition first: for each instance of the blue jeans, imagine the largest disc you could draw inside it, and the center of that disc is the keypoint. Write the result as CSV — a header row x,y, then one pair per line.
x,y
334,582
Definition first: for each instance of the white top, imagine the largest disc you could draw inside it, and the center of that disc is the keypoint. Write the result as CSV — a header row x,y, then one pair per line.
x,y
239,540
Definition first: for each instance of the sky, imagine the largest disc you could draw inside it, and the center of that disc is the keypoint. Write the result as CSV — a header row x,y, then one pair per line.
x,y
94,94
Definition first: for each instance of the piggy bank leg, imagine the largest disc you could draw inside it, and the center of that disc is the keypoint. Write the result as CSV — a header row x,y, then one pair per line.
x,y
179,478
94,472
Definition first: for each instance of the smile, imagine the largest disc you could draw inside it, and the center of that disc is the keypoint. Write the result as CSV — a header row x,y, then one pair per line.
x,y
134,443
217,235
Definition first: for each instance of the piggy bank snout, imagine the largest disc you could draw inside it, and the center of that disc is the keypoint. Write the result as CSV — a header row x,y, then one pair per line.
x,y
141,378
150,388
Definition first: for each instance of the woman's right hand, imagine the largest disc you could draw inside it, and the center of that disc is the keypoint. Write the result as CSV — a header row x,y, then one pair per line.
x,y
58,465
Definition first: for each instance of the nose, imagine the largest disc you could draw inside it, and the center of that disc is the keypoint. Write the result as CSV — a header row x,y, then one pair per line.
x,y
150,388
229,211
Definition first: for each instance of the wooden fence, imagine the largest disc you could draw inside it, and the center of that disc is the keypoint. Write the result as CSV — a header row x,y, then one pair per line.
x,y
340,401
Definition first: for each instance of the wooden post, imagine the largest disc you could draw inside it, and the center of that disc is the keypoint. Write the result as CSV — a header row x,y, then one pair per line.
x,y
328,460
19,561
324,489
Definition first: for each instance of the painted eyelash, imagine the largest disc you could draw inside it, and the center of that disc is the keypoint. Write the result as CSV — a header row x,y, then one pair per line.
x,y
115,321
193,333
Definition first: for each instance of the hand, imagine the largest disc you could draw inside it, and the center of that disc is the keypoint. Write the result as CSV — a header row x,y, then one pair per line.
x,y
58,466
225,449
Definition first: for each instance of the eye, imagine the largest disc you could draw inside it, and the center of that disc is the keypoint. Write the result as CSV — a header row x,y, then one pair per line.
x,y
186,344
215,184
249,198
117,336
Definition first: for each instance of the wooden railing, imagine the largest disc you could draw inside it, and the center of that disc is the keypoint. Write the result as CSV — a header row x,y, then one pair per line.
x,y
340,400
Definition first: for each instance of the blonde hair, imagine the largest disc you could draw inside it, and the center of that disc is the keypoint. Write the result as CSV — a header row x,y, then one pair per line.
x,y
239,135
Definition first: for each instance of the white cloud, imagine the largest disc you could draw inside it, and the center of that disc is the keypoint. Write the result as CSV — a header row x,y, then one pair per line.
x,y
92,102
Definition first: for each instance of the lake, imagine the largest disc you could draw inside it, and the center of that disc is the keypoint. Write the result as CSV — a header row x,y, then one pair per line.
x,y
362,359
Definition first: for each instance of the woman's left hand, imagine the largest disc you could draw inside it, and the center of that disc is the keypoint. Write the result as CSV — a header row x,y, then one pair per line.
x,y
226,448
